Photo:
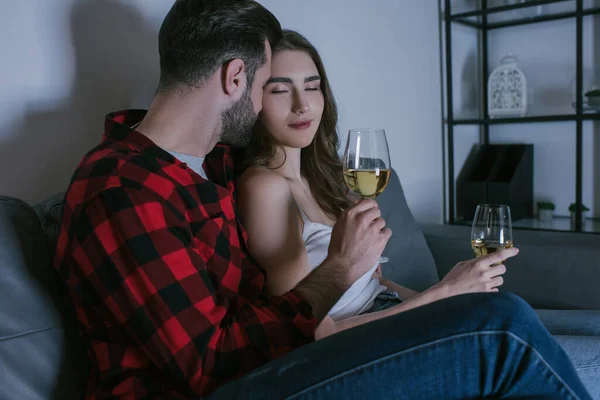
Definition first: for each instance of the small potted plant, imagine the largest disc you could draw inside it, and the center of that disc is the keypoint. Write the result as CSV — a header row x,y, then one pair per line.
x,y
573,211
545,210
593,98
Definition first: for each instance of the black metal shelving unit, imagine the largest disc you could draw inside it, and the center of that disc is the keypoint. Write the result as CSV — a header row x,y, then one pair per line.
x,y
478,19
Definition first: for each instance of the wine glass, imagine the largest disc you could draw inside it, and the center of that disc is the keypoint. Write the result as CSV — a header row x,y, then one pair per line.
x,y
367,166
491,230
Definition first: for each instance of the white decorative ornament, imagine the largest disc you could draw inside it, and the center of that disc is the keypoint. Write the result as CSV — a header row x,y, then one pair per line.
x,y
507,90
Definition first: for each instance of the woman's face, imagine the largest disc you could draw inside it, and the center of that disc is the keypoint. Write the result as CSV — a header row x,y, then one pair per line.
x,y
292,99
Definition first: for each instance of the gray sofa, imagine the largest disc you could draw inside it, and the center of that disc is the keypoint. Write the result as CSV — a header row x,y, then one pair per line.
x,y
42,357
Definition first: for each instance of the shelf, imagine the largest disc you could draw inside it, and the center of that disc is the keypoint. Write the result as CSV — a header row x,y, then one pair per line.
x,y
494,17
463,18
592,225
499,9
524,120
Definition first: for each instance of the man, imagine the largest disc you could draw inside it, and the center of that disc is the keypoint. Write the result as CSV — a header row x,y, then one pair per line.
x,y
171,304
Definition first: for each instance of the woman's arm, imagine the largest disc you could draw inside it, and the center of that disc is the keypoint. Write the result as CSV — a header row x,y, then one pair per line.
x,y
478,275
328,327
402,291
274,228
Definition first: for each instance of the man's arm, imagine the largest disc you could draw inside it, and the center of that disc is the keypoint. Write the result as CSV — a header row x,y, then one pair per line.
x,y
139,259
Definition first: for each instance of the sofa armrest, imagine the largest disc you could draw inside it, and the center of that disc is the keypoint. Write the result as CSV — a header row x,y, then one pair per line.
x,y
554,270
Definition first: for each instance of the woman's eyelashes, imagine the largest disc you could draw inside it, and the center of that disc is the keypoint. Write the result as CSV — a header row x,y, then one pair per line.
x,y
308,89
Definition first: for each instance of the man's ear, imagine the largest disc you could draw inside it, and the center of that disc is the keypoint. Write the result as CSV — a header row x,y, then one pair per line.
x,y
234,77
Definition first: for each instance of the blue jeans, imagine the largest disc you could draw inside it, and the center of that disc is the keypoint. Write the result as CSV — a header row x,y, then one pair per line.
x,y
464,347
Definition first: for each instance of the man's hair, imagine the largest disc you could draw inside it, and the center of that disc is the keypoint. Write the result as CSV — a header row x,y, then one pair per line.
x,y
199,36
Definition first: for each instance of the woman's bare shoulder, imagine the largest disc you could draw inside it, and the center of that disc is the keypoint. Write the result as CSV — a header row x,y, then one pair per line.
x,y
263,183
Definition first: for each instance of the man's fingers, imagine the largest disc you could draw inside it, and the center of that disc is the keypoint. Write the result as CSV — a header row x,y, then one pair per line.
x,y
379,223
371,214
387,233
364,205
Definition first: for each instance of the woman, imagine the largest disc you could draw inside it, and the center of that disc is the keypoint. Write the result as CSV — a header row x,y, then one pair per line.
x,y
292,191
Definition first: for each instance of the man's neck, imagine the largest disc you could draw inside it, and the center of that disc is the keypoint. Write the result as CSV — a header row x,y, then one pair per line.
x,y
187,124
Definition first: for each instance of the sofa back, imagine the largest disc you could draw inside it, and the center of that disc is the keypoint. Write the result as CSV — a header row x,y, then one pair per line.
x,y
411,262
40,352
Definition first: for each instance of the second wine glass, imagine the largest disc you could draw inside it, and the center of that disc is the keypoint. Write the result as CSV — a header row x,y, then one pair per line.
x,y
367,167
492,229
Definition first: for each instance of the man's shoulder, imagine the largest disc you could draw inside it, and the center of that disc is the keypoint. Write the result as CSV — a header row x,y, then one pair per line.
x,y
114,167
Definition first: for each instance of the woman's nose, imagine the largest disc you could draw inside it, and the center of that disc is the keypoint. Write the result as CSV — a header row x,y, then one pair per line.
x,y
301,105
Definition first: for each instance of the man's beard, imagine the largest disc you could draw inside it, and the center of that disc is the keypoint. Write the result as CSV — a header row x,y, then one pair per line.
x,y
237,121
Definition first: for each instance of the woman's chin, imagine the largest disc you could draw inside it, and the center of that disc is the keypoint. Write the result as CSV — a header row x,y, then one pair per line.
x,y
299,142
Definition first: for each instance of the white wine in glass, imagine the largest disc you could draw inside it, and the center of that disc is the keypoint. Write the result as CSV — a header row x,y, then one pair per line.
x,y
367,167
367,184
492,229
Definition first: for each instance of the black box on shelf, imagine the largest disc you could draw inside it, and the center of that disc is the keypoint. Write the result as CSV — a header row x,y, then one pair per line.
x,y
496,174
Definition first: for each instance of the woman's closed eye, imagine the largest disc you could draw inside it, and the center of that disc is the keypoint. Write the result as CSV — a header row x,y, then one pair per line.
x,y
279,89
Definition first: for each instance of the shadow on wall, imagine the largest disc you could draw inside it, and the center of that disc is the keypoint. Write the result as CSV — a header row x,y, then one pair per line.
x,y
116,55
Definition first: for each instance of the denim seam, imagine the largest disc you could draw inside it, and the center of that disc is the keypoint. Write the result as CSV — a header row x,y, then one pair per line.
x,y
425,345
587,367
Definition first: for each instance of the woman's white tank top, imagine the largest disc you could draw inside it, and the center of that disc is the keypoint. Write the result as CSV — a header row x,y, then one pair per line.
x,y
360,296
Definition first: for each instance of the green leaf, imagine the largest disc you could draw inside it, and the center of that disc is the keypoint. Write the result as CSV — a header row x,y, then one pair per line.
x,y
593,93
573,207
546,205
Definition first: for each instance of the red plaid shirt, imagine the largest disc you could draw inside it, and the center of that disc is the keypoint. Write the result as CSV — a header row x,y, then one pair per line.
x,y
168,299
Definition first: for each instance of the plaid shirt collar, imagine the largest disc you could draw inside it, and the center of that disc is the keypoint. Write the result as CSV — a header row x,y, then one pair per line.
x,y
222,165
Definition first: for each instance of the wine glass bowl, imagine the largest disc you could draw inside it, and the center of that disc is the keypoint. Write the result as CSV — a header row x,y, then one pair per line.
x,y
491,229
367,167
366,164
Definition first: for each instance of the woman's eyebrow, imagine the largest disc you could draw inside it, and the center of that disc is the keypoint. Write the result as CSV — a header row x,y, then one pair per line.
x,y
280,79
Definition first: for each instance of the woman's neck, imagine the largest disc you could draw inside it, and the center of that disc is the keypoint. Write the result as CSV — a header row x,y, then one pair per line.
x,y
288,161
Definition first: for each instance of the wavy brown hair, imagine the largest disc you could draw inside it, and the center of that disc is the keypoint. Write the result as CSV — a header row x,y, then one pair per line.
x,y
319,161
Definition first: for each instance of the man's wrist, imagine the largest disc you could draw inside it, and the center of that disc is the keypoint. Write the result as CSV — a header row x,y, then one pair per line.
x,y
324,286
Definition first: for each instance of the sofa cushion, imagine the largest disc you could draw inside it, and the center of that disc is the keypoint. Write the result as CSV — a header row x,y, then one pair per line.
x,y
411,262
49,213
571,322
584,352
35,362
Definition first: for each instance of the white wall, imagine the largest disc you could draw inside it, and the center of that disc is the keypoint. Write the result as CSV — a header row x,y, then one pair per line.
x,y
66,63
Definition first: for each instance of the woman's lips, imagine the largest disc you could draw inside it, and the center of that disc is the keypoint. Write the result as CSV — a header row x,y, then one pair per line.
x,y
301,125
